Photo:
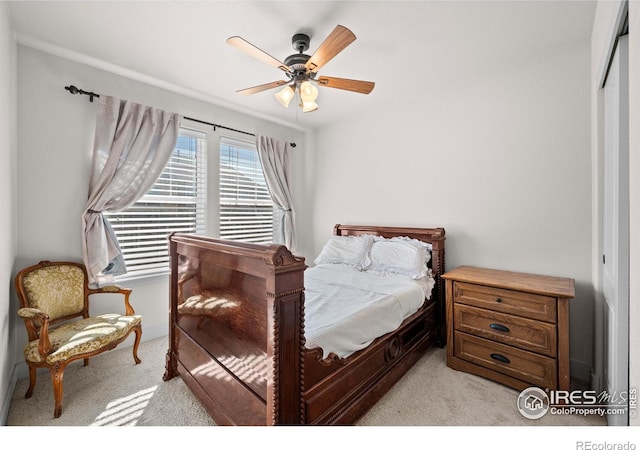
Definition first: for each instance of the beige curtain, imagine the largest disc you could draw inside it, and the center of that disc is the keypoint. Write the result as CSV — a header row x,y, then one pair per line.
x,y
274,158
132,145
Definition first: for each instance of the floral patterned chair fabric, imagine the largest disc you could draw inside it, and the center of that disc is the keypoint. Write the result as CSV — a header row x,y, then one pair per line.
x,y
54,298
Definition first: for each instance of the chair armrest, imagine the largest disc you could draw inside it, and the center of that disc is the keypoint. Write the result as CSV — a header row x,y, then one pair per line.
x,y
31,316
115,289
32,313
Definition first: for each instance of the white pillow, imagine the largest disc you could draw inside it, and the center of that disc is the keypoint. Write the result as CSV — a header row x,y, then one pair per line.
x,y
418,243
351,250
402,256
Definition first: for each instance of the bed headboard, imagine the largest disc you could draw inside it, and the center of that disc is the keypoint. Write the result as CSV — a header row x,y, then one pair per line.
x,y
435,236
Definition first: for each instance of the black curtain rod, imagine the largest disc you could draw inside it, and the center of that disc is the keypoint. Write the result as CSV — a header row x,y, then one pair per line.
x,y
74,90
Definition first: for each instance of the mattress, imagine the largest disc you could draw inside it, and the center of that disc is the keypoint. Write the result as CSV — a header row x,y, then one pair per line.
x,y
346,309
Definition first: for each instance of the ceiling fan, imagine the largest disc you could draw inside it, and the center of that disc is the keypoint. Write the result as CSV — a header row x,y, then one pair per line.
x,y
301,69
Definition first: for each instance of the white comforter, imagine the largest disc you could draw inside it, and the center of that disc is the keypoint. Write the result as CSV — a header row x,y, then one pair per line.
x,y
346,309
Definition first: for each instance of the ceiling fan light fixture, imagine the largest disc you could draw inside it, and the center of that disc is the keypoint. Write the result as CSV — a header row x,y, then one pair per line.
x,y
285,95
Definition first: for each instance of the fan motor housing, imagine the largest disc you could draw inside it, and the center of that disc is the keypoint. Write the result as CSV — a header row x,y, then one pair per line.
x,y
296,62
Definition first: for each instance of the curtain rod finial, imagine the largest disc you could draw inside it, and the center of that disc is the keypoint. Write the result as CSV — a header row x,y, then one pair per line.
x,y
74,90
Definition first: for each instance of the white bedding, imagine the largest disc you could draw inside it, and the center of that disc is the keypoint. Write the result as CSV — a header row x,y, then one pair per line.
x,y
346,309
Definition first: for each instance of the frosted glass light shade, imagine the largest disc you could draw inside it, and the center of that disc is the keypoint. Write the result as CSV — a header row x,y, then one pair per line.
x,y
285,95
309,106
308,92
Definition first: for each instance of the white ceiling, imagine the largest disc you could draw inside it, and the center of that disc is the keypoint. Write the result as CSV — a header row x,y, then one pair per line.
x,y
401,45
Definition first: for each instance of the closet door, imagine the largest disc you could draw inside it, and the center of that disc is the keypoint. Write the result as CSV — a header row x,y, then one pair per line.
x,y
615,260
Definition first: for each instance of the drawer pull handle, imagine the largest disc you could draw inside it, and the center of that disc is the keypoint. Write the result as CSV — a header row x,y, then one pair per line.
x,y
499,327
499,300
499,357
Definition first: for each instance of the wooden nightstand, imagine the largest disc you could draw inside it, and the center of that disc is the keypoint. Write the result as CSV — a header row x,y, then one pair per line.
x,y
510,327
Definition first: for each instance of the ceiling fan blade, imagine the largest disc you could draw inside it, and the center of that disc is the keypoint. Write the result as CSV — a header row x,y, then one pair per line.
x,y
337,41
262,87
252,50
361,87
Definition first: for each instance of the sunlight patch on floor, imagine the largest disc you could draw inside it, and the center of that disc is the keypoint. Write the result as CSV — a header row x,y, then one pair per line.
x,y
125,411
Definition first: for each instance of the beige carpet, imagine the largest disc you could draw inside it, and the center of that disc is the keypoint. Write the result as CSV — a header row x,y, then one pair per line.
x,y
112,390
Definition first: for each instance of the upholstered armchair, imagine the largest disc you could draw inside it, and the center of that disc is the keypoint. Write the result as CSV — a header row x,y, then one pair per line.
x,y
54,298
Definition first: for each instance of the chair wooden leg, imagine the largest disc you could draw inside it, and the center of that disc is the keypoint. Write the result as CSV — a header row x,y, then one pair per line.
x,y
138,332
86,361
57,373
32,382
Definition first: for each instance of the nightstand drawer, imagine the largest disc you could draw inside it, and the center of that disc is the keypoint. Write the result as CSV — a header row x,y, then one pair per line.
x,y
527,366
523,304
524,333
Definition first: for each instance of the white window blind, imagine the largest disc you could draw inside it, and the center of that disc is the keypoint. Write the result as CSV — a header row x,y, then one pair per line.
x,y
246,208
176,202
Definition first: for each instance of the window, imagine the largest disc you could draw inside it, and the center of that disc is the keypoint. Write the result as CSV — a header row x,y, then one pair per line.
x,y
246,208
176,202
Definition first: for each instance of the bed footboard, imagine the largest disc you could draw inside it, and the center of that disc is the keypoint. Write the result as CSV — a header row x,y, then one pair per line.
x,y
236,329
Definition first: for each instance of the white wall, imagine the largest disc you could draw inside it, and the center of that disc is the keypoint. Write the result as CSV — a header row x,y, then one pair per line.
x,y
502,161
55,137
8,195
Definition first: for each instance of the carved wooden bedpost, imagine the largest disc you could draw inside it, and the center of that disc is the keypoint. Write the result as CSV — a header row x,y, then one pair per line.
x,y
438,268
285,345
170,358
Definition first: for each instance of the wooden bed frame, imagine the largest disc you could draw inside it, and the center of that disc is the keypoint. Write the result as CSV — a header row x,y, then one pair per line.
x,y
236,334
